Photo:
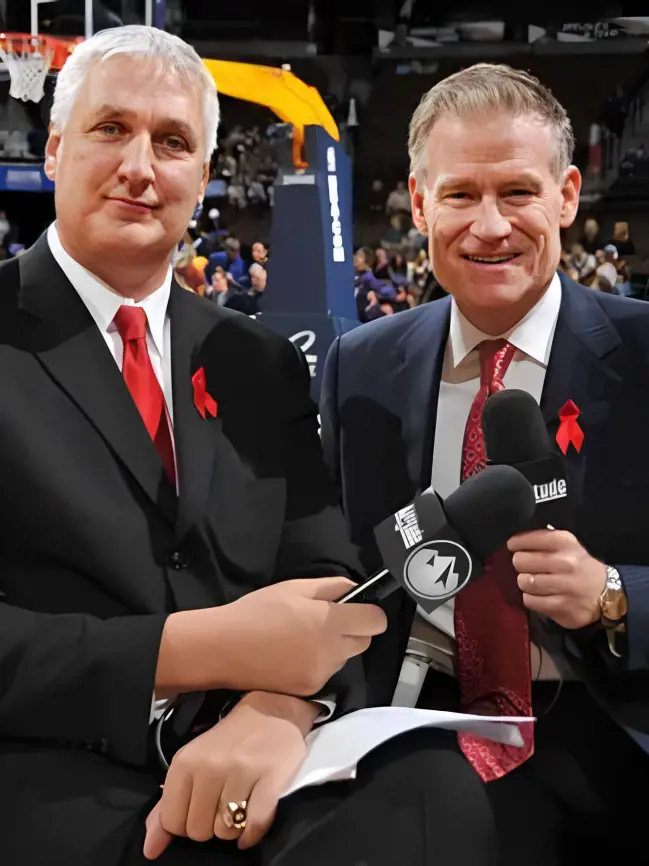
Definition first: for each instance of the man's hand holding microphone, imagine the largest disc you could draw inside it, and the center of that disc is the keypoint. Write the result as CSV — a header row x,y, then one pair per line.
x,y
289,638
558,577
556,574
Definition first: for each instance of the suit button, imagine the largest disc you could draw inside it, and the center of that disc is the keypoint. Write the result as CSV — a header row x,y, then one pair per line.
x,y
177,562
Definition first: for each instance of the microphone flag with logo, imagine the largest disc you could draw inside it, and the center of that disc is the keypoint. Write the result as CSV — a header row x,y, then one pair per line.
x,y
516,435
424,553
433,550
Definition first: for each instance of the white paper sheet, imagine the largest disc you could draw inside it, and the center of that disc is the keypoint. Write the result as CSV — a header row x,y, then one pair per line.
x,y
336,748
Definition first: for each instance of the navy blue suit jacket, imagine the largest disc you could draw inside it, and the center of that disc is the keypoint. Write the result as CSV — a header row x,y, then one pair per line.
x,y
379,406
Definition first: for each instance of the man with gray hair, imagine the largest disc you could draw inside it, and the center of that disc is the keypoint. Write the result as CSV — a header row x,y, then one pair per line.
x,y
230,260
167,571
558,628
247,300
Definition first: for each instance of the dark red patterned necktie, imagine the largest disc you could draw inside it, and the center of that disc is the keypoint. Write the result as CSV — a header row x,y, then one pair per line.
x,y
143,384
491,625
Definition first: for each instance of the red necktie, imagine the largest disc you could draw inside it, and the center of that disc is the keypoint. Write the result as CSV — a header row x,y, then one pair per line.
x,y
491,626
141,381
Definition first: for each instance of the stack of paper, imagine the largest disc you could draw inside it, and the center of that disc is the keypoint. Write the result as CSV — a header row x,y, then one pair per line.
x,y
336,748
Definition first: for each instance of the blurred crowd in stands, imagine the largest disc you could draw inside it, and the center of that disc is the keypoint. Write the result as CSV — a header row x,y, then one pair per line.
x,y
635,163
211,262
600,263
244,168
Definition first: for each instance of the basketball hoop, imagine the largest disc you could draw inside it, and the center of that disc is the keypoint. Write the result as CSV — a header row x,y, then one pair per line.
x,y
29,59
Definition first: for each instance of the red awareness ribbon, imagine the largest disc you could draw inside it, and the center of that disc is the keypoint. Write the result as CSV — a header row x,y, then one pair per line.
x,y
203,400
569,430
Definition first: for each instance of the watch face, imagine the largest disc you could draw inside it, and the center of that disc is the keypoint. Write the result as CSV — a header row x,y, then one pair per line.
x,y
613,604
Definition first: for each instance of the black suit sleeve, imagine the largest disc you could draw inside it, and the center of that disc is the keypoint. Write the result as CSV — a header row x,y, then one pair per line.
x,y
314,541
314,538
77,679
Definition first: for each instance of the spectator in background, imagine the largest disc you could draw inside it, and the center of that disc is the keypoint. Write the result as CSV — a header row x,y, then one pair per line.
x,y
634,162
592,239
227,165
247,302
219,288
365,282
419,269
393,238
256,191
258,278
380,306
381,264
606,279
188,271
259,253
230,261
237,194
399,200
607,274
398,266
246,167
581,264
609,255
621,240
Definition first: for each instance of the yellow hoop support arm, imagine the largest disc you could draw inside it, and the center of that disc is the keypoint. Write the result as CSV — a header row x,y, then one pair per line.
x,y
291,99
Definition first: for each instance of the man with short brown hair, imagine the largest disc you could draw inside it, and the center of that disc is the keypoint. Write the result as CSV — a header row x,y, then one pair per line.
x,y
559,627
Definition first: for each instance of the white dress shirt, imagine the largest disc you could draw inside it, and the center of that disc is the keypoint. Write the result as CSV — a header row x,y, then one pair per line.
x,y
103,303
460,382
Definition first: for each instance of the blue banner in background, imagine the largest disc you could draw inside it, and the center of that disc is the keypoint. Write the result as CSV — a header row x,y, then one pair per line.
x,y
312,263
310,295
24,177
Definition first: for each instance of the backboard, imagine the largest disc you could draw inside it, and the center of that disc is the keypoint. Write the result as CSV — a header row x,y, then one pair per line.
x,y
73,18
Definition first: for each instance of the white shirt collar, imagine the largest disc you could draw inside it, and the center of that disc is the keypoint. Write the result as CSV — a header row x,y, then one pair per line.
x,y
102,302
532,335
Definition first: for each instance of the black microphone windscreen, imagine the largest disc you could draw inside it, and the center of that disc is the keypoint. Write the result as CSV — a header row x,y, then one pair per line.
x,y
514,429
487,509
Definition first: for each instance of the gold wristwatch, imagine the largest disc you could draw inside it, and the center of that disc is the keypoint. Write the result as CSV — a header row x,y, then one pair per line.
x,y
613,608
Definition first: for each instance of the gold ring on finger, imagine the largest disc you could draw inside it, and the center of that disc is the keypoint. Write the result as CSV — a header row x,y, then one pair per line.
x,y
235,815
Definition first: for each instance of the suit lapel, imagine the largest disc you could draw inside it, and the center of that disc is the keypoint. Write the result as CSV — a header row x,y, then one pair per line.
x,y
63,335
197,439
421,352
577,371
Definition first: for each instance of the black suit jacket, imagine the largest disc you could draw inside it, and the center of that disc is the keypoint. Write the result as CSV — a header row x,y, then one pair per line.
x,y
379,407
96,549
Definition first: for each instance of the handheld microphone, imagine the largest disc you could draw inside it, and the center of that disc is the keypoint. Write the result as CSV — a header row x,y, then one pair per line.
x,y
433,551
515,435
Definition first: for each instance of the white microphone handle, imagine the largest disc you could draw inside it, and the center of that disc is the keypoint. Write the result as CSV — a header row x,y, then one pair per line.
x,y
411,679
